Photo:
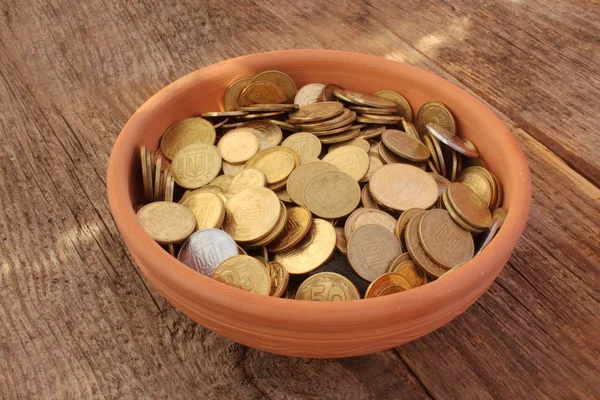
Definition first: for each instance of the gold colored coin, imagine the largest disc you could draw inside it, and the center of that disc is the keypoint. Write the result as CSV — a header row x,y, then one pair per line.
x,y
246,273
183,133
447,205
440,155
360,143
312,251
417,254
402,186
350,134
267,133
366,198
268,107
157,180
297,226
442,182
276,163
342,243
452,140
409,271
208,209
283,125
232,169
350,160
327,94
433,162
275,232
284,196
145,173
371,131
398,260
280,79
166,222
166,164
248,178
262,92
327,286
349,224
437,113
402,104
378,119
371,248
409,128
404,145
309,94
331,194
251,214
238,146
261,115
446,243
479,184
232,94
386,284
389,157
305,144
316,112
375,162
374,217
220,114
279,279
222,181
300,176
195,165
169,186
469,206
373,110
363,99
344,118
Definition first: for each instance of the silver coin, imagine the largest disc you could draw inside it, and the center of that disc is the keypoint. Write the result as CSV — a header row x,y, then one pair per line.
x,y
206,249
453,141
309,94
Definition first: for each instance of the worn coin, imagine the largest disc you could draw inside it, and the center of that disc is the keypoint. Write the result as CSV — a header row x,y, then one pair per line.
x,y
327,286
344,118
447,205
195,165
249,177
372,110
309,94
469,206
402,186
446,243
370,250
251,214
350,160
238,146
417,254
206,249
166,222
479,184
208,209
246,273
350,134
184,133
279,279
298,179
280,79
232,94
305,144
437,113
331,194
398,260
262,92
409,128
402,104
312,251
405,145
386,284
267,133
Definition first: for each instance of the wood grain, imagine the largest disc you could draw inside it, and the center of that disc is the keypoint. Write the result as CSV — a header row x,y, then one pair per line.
x,y
78,320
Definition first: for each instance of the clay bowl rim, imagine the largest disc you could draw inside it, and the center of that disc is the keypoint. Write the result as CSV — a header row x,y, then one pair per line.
x,y
173,277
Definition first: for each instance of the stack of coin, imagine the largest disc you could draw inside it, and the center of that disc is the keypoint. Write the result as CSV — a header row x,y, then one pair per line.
x,y
272,186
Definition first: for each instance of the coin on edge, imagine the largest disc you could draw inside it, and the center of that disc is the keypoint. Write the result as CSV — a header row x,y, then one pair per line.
x,y
370,250
327,286
261,92
279,279
246,273
232,94
436,112
167,222
402,104
469,206
206,249
282,80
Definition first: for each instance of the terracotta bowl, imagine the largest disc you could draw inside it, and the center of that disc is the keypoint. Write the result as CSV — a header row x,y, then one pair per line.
x,y
317,329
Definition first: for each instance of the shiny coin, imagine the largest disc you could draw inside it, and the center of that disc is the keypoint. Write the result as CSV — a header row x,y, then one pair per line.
x,y
436,113
261,115
327,93
220,123
279,279
238,146
363,99
246,273
184,133
409,271
370,250
402,186
276,163
497,221
446,243
312,251
222,181
249,177
342,243
374,217
366,198
297,226
232,169
386,284
402,105
409,128
316,112
389,157
276,231
372,110
398,260
452,140
417,254
371,131
145,173
206,249
469,206
268,107
232,125
344,118
216,114
404,145
440,155
166,222
360,143
267,133
447,205
377,119
251,214
280,79
327,286
298,179
350,160
208,209
309,94
232,94
442,182
261,92
305,144
331,194
195,165
341,137
479,184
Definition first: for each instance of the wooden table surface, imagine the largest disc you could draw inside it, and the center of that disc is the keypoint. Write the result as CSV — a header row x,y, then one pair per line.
x,y
77,319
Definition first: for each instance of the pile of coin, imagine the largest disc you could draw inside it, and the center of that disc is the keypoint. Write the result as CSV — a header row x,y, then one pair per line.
x,y
262,195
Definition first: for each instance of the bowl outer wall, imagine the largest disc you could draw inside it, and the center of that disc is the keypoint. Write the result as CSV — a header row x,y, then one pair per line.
x,y
316,329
